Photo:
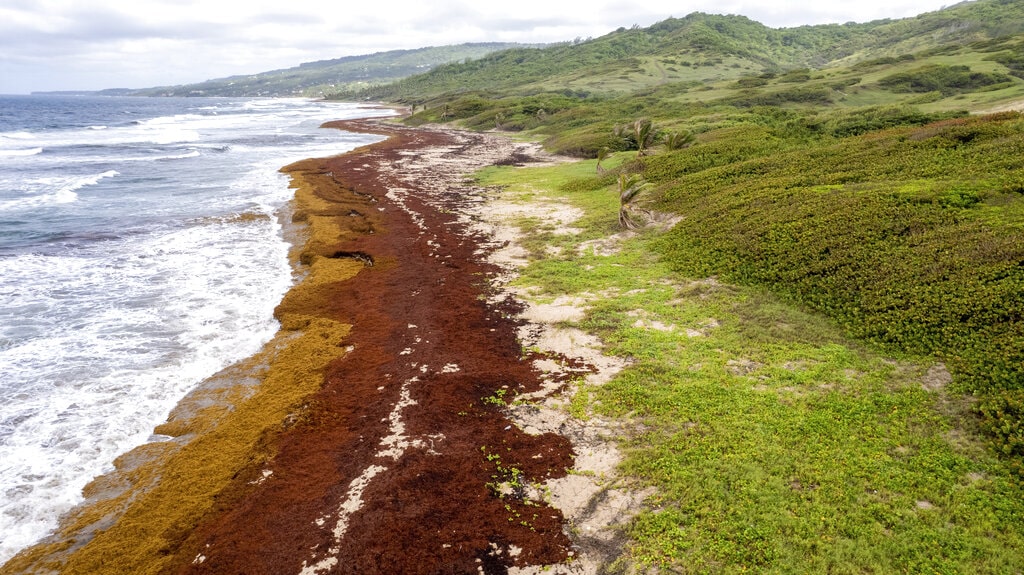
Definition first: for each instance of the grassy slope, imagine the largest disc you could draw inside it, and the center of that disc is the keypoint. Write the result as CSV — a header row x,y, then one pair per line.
x,y
702,48
836,167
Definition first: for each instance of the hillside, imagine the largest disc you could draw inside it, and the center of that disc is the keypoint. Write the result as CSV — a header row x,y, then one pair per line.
x,y
317,78
701,49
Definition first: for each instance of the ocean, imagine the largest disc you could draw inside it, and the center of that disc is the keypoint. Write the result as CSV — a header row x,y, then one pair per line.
x,y
140,252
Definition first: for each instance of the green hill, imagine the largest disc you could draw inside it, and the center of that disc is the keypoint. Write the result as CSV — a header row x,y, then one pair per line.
x,y
706,48
318,78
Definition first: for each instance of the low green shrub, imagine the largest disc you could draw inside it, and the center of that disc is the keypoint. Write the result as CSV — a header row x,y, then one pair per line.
x,y
818,95
584,143
1004,420
940,78
865,120
891,233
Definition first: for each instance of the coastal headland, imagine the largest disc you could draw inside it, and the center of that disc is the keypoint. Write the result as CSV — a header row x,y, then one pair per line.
x,y
373,434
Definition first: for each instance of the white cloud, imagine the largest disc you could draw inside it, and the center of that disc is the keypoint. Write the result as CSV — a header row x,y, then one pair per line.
x,y
67,44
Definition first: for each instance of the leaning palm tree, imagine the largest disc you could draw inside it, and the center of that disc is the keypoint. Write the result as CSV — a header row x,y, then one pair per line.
x,y
638,135
643,133
630,186
602,155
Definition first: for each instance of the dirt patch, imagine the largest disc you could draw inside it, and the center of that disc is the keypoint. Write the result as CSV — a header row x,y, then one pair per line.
x,y
936,378
1014,106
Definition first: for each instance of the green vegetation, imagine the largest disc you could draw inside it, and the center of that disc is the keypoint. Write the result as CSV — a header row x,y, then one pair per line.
x,y
839,384
908,237
944,79
704,50
775,442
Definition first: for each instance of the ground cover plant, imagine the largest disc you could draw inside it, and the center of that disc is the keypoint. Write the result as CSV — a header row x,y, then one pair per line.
x,y
776,443
908,237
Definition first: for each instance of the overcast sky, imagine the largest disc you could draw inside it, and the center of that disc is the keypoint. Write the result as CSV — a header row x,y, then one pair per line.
x,y
95,44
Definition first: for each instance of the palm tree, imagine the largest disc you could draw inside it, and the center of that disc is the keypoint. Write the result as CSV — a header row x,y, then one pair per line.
x,y
643,133
602,155
630,187
678,140
640,134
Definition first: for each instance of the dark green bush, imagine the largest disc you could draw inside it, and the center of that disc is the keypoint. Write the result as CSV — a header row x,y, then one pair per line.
x,y
796,76
880,117
818,95
939,78
1003,418
584,143
752,82
884,232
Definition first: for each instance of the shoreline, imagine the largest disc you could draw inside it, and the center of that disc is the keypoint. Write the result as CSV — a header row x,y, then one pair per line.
x,y
375,420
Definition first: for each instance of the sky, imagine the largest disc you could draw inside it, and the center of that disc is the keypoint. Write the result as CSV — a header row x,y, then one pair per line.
x,y
94,44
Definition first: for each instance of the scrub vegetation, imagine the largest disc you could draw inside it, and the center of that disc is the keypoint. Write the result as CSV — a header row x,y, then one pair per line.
x,y
776,441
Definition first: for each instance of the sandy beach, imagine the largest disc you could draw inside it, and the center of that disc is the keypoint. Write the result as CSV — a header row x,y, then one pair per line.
x,y
373,435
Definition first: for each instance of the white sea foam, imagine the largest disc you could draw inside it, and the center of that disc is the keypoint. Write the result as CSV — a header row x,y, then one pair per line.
x,y
22,152
185,156
16,135
66,192
188,303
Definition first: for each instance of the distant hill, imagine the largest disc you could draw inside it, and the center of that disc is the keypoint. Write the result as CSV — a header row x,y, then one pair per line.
x,y
326,76
701,49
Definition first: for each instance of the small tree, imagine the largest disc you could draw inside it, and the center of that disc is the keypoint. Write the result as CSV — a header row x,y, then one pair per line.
x,y
630,186
643,134
678,140
639,135
602,155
